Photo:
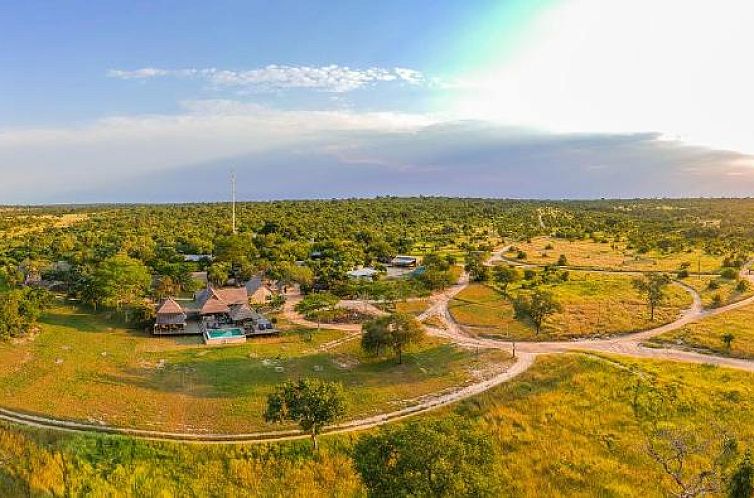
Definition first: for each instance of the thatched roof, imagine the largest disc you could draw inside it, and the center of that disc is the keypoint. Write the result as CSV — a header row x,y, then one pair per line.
x,y
169,307
233,295
213,306
241,312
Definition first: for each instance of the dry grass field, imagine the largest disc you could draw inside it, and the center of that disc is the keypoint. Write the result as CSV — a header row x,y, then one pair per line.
x,y
725,288
563,428
707,334
611,255
593,304
84,368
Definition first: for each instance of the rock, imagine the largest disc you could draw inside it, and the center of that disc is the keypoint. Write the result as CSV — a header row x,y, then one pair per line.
x,y
58,361
279,369
317,368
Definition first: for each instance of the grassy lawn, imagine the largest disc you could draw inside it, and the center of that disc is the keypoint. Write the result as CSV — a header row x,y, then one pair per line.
x,y
726,289
83,368
707,334
593,304
563,428
587,253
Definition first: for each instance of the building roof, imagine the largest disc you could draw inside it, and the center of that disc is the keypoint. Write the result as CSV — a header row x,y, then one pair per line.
x,y
170,313
403,260
241,312
233,295
213,301
254,284
363,272
213,305
169,307
196,258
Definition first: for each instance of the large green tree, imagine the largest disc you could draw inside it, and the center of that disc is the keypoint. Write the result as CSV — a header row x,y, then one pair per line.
x,y
504,275
120,281
436,458
311,403
312,304
653,288
20,309
537,307
395,331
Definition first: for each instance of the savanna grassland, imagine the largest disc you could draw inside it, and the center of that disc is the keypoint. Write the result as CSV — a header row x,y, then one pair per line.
x,y
593,304
602,252
708,335
78,287
564,428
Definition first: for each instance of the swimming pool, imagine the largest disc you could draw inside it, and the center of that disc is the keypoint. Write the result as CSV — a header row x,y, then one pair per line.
x,y
224,336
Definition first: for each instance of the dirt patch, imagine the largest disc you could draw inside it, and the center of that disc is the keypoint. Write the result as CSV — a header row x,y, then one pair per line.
x,y
345,362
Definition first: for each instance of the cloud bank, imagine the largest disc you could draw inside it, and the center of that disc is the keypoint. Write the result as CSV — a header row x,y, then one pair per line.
x,y
322,154
332,78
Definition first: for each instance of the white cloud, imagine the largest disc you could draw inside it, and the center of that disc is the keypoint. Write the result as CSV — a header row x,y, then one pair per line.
x,y
332,78
115,149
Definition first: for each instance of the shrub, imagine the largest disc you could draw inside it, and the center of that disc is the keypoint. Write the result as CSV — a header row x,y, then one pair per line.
x,y
729,273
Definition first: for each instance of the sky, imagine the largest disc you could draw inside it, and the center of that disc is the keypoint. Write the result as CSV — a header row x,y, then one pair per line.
x,y
158,101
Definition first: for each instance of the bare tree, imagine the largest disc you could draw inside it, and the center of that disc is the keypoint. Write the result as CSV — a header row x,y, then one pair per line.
x,y
695,464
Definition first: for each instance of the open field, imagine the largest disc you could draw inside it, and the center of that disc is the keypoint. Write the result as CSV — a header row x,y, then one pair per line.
x,y
80,367
563,428
707,334
593,304
726,289
413,306
611,255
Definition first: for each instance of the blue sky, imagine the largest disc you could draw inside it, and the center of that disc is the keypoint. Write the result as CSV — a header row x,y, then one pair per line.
x,y
102,101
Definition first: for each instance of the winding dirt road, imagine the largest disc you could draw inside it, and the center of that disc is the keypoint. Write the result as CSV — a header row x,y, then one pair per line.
x,y
526,353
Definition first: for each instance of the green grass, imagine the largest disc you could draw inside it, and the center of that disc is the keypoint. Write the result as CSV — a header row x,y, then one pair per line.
x,y
707,334
563,428
83,368
590,254
593,304
726,290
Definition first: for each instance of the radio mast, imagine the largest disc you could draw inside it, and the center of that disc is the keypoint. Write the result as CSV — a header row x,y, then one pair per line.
x,y
233,198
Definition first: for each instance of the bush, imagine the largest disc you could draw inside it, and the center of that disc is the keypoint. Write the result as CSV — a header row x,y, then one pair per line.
x,y
521,255
729,273
683,274
742,286
717,301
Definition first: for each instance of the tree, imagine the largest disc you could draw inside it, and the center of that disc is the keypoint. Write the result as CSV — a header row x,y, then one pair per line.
x,y
476,268
437,458
311,403
562,260
165,287
537,307
505,275
219,272
694,463
653,287
313,304
120,280
728,340
741,483
20,309
394,331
